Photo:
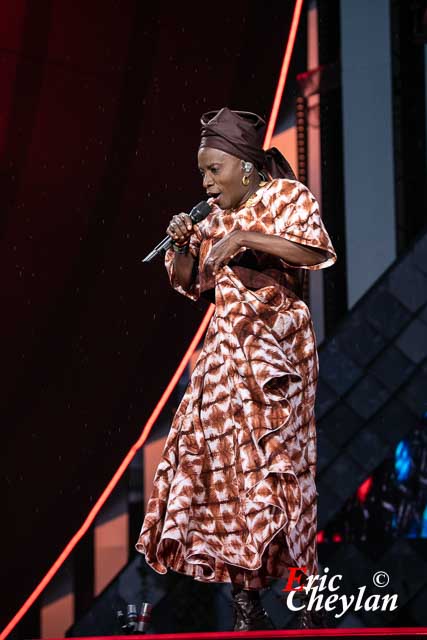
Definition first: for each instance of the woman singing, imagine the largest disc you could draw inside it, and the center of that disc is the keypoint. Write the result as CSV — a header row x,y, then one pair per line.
x,y
234,495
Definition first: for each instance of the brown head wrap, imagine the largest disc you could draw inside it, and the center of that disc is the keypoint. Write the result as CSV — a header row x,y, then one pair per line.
x,y
241,134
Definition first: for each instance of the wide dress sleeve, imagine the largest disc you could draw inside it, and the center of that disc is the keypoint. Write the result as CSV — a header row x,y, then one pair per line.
x,y
194,247
296,217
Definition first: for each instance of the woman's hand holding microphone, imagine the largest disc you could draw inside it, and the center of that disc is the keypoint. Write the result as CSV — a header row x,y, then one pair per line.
x,y
180,229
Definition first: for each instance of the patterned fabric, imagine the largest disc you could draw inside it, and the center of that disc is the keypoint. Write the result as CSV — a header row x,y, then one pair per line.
x,y
234,495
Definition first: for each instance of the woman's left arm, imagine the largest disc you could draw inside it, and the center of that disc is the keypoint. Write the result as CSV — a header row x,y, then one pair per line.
x,y
293,253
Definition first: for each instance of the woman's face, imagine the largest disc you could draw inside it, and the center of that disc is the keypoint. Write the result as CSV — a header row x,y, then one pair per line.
x,y
222,176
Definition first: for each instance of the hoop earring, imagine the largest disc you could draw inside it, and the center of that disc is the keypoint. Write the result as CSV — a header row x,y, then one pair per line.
x,y
246,180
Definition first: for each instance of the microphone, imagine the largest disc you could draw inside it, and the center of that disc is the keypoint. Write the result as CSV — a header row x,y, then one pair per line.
x,y
144,617
197,213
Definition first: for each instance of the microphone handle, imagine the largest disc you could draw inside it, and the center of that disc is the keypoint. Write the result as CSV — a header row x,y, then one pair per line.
x,y
162,246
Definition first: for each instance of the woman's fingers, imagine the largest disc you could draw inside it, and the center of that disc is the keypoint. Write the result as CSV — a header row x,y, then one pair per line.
x,y
215,264
183,223
180,227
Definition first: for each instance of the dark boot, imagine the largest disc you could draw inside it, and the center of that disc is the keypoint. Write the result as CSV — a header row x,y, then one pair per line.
x,y
249,614
309,619
312,620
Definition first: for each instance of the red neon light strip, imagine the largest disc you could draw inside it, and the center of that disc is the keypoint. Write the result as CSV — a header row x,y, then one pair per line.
x,y
167,392
283,72
369,632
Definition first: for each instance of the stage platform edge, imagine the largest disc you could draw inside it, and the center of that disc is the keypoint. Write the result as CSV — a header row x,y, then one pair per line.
x,y
307,634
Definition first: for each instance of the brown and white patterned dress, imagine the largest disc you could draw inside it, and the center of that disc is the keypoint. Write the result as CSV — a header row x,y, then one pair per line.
x,y
234,495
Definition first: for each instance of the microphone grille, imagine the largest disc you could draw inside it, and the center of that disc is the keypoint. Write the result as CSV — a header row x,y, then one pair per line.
x,y
200,211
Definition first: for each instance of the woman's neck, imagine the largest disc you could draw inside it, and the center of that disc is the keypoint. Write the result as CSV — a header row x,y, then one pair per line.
x,y
251,191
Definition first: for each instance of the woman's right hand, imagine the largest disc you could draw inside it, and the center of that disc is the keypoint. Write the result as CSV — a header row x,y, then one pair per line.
x,y
180,228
